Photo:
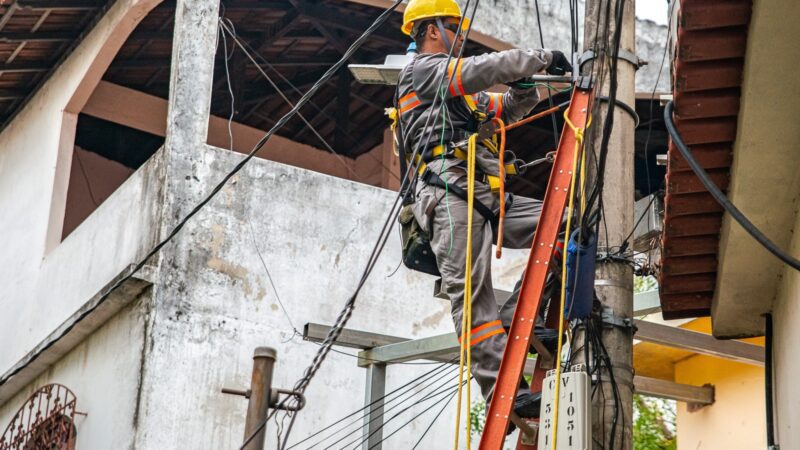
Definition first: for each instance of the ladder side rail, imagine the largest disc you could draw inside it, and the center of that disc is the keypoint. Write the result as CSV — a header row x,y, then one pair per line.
x,y
555,201
540,372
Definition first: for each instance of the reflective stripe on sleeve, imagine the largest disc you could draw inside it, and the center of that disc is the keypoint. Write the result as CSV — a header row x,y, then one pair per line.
x,y
456,88
408,102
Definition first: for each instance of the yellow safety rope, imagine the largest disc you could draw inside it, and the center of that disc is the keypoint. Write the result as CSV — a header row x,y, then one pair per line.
x,y
501,174
578,147
466,312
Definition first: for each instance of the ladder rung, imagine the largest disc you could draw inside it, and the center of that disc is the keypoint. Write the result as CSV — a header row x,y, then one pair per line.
x,y
542,351
524,426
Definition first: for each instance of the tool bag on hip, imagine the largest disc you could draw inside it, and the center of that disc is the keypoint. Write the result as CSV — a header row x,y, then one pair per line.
x,y
417,252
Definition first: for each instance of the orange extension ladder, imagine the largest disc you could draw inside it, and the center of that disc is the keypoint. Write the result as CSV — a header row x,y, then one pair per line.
x,y
533,282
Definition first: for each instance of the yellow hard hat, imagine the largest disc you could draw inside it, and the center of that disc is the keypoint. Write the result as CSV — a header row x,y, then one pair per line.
x,y
430,9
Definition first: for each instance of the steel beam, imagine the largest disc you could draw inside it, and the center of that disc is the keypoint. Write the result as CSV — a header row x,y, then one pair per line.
x,y
653,387
699,343
437,348
443,347
390,349
643,303
315,332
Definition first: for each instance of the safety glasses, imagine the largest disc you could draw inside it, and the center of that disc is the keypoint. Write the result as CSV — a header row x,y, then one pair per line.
x,y
451,26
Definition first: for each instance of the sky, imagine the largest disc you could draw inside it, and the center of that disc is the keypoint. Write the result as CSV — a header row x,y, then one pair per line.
x,y
655,10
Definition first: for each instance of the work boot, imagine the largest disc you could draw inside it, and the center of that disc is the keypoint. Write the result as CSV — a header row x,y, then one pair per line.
x,y
548,337
527,404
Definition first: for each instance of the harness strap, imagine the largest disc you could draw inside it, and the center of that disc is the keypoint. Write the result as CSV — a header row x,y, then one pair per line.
x,y
433,179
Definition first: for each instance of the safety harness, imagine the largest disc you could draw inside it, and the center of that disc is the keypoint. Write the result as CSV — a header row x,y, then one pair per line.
x,y
482,127
481,123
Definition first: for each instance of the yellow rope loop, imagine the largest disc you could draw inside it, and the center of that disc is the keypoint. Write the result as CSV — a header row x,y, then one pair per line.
x,y
578,132
466,313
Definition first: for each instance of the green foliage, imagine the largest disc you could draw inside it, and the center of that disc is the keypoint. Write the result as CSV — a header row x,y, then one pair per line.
x,y
477,418
644,284
653,424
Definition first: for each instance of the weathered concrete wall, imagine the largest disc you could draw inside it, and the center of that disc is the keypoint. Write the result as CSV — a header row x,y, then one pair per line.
x,y
214,302
117,234
104,373
515,21
728,423
736,419
44,280
786,314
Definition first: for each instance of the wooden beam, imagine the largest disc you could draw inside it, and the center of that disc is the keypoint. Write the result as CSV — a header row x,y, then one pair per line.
x,y
654,387
33,66
71,5
165,63
39,36
343,81
332,38
326,16
701,343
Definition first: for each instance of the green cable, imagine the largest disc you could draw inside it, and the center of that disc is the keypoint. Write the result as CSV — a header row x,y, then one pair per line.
x,y
441,171
544,85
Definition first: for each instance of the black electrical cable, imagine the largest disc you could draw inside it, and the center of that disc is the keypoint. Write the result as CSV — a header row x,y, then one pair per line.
x,y
628,108
549,94
438,392
625,242
344,316
768,382
346,312
445,400
715,192
652,100
385,398
608,123
252,54
435,418
422,384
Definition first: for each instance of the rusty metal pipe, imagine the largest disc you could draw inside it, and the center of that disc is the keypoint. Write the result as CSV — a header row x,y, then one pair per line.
x,y
259,402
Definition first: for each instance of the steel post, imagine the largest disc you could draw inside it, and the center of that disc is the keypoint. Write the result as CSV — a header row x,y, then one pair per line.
x,y
373,422
260,390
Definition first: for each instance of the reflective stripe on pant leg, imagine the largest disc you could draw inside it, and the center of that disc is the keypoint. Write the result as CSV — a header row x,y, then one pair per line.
x,y
488,351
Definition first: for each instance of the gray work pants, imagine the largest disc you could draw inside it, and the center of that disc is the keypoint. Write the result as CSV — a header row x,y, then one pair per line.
x,y
444,218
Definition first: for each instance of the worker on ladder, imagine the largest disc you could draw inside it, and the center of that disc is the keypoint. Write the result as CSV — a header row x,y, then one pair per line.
x,y
439,206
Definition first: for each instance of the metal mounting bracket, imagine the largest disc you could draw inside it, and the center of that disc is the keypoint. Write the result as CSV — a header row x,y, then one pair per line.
x,y
609,318
623,54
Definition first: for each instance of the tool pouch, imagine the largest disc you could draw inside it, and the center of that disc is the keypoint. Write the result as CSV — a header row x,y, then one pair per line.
x,y
417,252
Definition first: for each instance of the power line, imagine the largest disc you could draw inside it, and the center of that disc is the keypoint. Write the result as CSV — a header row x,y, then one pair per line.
x,y
720,197
294,88
229,29
345,314
386,399
446,401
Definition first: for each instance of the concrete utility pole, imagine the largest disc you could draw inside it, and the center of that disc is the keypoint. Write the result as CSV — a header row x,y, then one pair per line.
x,y
614,282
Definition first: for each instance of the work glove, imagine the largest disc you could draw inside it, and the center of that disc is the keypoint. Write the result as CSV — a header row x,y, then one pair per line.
x,y
560,64
522,83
